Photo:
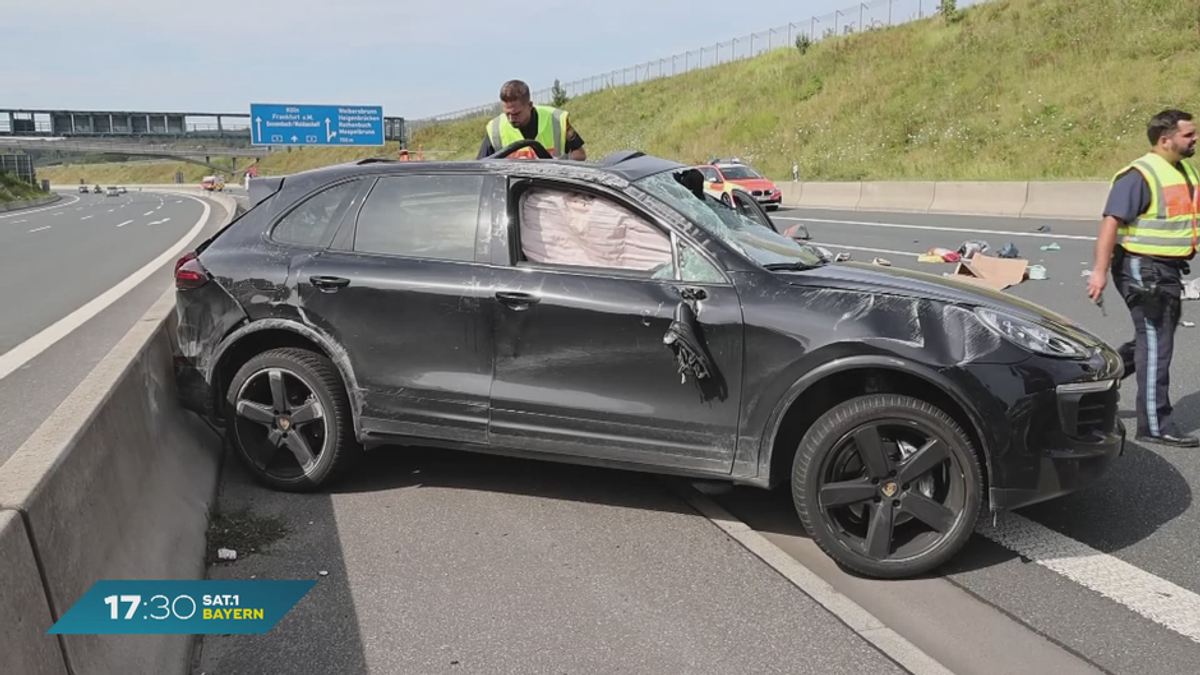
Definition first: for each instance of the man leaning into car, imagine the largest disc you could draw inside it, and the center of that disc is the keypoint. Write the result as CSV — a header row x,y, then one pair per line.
x,y
522,120
1148,236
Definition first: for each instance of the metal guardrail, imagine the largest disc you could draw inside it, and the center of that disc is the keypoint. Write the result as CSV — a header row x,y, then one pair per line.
x,y
153,149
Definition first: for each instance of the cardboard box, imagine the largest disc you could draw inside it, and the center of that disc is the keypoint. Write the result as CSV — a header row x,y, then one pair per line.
x,y
995,273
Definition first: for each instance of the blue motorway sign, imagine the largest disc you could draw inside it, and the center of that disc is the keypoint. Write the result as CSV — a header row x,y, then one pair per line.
x,y
272,124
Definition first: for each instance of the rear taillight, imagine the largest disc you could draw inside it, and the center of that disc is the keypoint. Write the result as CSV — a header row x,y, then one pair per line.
x,y
189,273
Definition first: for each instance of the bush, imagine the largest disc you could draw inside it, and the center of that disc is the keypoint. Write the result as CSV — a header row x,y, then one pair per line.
x,y
803,42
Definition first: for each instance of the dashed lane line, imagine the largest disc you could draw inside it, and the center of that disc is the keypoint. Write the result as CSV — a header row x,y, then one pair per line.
x,y
27,350
936,228
1154,598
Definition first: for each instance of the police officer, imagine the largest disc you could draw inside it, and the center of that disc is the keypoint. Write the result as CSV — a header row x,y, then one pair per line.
x,y
522,120
1148,236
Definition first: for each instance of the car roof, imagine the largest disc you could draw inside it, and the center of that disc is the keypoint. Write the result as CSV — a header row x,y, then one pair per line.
x,y
625,166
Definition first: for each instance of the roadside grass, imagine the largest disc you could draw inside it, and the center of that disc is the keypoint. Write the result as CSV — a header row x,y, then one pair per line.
x,y
1008,90
1013,90
14,190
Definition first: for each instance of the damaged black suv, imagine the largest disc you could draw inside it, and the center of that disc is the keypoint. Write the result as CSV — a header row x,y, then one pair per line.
x,y
611,313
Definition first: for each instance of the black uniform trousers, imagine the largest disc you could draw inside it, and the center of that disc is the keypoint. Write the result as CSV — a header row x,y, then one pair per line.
x,y
1152,289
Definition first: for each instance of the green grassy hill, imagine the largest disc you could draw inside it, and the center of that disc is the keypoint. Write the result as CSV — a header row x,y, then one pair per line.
x,y
1013,90
14,190
1009,90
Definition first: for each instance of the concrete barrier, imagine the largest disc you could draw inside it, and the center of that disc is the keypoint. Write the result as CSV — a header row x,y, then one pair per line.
x,y
1066,200
915,196
830,195
29,203
982,198
24,646
790,192
116,484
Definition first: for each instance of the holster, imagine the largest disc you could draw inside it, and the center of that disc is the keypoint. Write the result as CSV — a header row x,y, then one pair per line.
x,y
1149,294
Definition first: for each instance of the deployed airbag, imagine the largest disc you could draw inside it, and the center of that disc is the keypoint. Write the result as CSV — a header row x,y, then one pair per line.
x,y
575,228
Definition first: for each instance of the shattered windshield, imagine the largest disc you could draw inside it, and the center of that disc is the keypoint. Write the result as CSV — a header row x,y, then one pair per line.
x,y
755,241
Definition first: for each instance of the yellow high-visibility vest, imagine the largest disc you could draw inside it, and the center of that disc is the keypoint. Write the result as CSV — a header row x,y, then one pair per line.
x,y
1168,228
552,125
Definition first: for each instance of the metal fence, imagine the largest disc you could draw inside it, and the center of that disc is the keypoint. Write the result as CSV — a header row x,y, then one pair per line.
x,y
857,18
20,166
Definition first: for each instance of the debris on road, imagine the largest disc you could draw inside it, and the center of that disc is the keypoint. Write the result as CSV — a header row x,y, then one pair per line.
x,y
1189,324
972,247
992,272
324,573
1010,251
1037,272
226,554
842,257
1191,290
881,261
1052,246
1043,228
937,254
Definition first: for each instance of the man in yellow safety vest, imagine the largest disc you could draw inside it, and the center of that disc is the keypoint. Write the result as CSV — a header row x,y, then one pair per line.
x,y
522,120
1148,236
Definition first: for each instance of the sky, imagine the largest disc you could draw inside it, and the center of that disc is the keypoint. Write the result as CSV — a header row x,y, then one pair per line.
x,y
414,58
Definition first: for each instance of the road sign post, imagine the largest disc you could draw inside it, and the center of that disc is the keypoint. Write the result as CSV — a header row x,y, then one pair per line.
x,y
344,125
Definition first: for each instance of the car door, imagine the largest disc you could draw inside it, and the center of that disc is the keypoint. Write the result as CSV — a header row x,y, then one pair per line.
x,y
400,289
603,349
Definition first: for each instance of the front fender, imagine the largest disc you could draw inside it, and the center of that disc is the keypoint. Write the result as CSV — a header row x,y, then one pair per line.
x,y
881,361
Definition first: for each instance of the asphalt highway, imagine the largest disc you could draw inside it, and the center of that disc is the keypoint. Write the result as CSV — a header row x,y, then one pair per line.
x,y
450,562
76,275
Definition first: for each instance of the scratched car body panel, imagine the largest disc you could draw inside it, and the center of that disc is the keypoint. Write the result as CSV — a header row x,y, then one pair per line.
x,y
423,303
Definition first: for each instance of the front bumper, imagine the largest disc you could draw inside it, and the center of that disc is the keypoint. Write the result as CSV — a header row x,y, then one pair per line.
x,y
1072,435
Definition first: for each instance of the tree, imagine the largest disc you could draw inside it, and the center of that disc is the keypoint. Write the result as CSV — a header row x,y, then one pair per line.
x,y
560,95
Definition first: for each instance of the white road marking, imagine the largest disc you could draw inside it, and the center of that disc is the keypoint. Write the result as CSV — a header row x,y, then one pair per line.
x,y
1152,597
85,217
39,229
148,213
125,223
864,248
866,625
24,212
902,226
22,353
23,220
111,210
158,222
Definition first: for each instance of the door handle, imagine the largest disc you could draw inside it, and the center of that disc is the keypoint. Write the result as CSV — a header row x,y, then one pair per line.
x,y
517,301
329,283
691,293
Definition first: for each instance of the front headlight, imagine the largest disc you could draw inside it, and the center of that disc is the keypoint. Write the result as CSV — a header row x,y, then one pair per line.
x,y
1032,336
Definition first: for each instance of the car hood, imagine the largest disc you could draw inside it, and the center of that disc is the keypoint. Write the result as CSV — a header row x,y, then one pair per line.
x,y
870,278
753,183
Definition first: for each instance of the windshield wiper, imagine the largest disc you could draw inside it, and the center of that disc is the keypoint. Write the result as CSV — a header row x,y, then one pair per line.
x,y
795,266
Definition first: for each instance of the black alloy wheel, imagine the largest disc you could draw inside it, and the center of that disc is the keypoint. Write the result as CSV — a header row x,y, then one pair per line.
x,y
887,485
290,419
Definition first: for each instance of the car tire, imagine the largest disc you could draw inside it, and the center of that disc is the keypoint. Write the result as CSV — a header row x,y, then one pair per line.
x,y
269,450
831,478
